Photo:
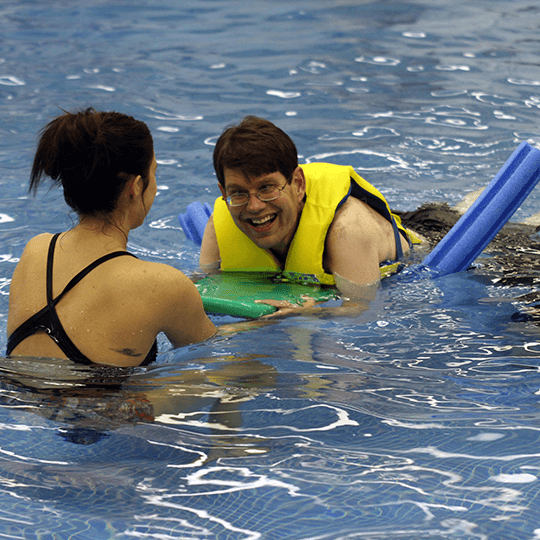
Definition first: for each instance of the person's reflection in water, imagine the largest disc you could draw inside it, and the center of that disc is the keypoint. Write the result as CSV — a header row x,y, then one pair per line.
x,y
89,403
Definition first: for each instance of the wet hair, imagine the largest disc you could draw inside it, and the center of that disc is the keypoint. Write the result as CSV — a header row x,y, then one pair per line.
x,y
93,155
255,147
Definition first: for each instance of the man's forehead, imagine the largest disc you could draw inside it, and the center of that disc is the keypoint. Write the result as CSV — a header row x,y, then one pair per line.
x,y
236,177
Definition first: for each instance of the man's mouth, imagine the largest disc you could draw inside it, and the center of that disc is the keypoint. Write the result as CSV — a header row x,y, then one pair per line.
x,y
261,222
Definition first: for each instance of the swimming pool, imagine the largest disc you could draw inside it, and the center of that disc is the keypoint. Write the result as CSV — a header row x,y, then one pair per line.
x,y
417,418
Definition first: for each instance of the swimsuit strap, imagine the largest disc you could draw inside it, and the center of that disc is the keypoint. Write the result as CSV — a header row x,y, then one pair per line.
x,y
47,319
83,273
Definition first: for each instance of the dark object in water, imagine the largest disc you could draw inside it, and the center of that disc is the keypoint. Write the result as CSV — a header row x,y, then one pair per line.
x,y
513,255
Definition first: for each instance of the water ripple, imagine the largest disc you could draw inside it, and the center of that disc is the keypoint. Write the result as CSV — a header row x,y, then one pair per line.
x,y
11,80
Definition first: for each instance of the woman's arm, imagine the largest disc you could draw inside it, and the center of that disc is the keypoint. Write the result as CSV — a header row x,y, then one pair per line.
x,y
183,319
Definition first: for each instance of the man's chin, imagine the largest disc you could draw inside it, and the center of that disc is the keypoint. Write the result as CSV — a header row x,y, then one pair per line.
x,y
262,243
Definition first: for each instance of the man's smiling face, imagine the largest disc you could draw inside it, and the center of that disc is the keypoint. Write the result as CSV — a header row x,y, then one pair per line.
x,y
271,224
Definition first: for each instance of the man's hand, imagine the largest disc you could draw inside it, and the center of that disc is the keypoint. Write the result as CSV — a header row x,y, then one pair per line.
x,y
284,307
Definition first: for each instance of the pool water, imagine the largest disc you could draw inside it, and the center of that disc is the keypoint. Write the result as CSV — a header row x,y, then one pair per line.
x,y
417,418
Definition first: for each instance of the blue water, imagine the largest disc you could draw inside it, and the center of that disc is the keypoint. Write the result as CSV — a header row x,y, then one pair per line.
x,y
417,418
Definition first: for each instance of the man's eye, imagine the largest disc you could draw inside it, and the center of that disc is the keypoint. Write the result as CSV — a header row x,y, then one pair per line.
x,y
267,189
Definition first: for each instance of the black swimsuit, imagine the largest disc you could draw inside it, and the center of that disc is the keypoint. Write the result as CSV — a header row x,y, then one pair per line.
x,y
46,320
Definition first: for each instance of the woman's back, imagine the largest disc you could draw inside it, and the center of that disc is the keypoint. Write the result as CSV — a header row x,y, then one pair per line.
x,y
113,314
106,166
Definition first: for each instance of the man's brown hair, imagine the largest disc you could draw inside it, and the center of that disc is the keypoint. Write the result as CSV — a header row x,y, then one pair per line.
x,y
255,147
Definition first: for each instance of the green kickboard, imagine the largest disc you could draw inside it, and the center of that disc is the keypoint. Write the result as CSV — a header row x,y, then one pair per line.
x,y
234,293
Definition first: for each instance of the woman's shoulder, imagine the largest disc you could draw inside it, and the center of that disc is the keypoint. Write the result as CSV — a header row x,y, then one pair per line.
x,y
34,254
38,243
159,277
158,269
168,293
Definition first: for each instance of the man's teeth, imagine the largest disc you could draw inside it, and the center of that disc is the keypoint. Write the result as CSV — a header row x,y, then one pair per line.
x,y
262,220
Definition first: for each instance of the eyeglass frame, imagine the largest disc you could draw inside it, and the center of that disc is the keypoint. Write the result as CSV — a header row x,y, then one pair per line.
x,y
257,194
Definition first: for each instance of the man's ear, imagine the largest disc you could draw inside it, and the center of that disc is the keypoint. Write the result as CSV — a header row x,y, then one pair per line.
x,y
299,180
222,189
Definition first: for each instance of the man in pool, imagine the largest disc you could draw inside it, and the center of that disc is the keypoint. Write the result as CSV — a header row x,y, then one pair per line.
x,y
317,223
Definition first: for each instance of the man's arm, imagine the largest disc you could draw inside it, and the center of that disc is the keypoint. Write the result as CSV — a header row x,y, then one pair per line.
x,y
210,257
358,240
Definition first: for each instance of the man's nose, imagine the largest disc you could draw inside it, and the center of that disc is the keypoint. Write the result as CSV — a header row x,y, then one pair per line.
x,y
254,203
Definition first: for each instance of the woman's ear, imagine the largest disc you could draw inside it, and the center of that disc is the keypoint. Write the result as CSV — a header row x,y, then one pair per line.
x,y
135,187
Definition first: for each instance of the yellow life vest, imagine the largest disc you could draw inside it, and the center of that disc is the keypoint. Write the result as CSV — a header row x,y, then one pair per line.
x,y
327,185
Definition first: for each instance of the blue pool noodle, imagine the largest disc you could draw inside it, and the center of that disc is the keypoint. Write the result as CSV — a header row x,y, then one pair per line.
x,y
194,221
472,232
487,215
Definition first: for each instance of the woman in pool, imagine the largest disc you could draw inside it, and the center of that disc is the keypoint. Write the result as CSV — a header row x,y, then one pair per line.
x,y
79,294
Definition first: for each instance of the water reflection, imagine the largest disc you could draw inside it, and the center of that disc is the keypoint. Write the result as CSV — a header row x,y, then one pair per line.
x,y
339,423
88,402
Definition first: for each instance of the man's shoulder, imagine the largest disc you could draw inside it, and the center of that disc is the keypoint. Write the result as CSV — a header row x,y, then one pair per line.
x,y
353,212
356,220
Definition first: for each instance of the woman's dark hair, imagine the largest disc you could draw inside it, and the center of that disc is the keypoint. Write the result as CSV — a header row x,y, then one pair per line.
x,y
92,155
255,147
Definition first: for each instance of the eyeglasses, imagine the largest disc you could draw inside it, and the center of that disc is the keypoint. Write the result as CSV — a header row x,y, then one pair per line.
x,y
265,194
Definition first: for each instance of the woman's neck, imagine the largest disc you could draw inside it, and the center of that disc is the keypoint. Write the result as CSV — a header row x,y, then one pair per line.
x,y
103,231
